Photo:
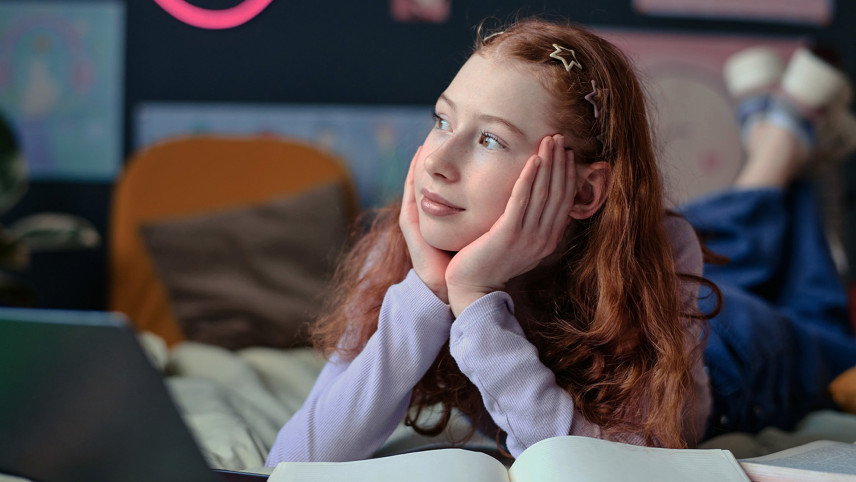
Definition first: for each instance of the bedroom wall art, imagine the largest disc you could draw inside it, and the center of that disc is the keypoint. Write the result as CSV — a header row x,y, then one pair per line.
x,y
61,84
376,142
816,12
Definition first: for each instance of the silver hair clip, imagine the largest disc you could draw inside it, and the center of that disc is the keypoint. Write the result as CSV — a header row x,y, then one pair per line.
x,y
493,35
557,54
591,100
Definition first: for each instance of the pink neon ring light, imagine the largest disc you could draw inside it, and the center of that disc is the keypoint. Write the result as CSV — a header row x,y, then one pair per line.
x,y
213,19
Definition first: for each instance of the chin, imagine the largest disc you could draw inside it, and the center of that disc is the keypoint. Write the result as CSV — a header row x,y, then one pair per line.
x,y
443,239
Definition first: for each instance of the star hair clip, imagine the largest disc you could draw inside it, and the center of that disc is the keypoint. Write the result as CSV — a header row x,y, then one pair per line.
x,y
569,64
596,98
590,97
493,35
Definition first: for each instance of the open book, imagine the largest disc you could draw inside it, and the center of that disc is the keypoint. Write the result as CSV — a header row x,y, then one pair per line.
x,y
822,460
568,458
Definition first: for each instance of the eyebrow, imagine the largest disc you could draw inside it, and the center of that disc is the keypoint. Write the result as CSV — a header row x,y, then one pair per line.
x,y
489,118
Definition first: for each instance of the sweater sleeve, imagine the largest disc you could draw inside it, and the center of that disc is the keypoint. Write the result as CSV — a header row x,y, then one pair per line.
x,y
520,393
689,260
354,406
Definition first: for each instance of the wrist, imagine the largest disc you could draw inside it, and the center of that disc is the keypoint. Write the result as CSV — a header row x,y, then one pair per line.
x,y
438,288
461,297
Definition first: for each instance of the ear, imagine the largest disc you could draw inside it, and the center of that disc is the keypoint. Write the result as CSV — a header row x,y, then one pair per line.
x,y
593,183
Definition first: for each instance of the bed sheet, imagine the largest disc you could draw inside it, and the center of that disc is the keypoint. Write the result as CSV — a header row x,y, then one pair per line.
x,y
235,402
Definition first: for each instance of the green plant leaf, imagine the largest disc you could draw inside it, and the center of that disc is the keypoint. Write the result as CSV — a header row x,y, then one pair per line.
x,y
14,254
13,168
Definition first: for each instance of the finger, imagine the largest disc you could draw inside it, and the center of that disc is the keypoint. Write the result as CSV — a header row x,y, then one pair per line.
x,y
563,215
409,196
518,202
556,198
570,184
541,185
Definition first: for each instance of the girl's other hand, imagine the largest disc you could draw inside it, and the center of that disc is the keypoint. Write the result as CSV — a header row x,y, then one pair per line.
x,y
429,262
529,230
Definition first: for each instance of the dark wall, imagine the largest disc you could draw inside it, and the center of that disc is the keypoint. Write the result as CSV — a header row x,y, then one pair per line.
x,y
337,51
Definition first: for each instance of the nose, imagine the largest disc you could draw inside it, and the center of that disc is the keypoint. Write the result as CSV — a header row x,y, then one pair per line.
x,y
441,162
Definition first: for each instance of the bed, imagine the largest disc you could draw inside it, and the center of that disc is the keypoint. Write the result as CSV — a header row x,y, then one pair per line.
x,y
220,250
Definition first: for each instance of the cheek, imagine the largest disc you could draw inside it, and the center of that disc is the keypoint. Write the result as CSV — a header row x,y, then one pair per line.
x,y
497,192
432,142
428,147
419,174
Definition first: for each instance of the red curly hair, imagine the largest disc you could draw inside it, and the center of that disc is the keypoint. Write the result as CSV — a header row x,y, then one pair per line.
x,y
607,318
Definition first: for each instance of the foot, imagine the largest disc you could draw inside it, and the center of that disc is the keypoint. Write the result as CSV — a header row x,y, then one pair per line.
x,y
782,123
751,76
818,95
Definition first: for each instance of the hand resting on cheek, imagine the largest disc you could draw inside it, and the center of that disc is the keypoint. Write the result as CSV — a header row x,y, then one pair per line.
x,y
535,218
534,221
429,262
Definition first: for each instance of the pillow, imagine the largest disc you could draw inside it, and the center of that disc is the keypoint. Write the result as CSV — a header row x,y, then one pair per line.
x,y
251,275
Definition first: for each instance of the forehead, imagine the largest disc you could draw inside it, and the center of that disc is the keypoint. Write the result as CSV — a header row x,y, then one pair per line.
x,y
502,87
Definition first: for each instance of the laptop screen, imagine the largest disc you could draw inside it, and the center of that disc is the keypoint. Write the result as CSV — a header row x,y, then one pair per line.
x,y
79,400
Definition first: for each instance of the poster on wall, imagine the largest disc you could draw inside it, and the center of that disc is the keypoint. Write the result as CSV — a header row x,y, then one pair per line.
x,y
691,112
428,11
376,143
813,12
61,86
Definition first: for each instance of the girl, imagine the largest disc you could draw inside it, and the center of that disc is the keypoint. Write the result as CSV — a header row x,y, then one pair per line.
x,y
530,278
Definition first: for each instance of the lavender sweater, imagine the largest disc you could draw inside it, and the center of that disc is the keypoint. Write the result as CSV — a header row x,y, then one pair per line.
x,y
353,407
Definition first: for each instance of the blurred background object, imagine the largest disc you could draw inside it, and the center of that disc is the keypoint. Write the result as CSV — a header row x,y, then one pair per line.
x,y
32,233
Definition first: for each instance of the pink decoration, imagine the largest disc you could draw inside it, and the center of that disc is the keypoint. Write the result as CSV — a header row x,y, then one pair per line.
x,y
435,11
817,12
214,19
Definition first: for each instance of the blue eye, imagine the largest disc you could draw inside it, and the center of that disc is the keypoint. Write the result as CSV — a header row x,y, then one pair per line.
x,y
440,123
490,141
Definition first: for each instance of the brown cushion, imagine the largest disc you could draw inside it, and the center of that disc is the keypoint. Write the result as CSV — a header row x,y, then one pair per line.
x,y
254,275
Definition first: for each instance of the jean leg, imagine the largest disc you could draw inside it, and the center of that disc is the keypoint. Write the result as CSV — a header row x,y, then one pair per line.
x,y
782,334
766,368
811,291
747,226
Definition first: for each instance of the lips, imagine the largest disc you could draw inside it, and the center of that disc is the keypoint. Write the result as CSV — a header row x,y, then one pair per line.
x,y
435,205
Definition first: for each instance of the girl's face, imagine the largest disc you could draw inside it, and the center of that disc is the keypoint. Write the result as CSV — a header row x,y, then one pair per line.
x,y
489,121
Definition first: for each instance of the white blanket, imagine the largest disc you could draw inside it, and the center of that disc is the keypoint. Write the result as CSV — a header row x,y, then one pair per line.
x,y
235,402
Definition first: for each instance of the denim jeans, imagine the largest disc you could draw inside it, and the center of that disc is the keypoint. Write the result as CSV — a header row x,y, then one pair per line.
x,y
783,333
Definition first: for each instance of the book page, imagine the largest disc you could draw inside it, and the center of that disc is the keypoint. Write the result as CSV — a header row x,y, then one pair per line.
x,y
587,459
451,465
821,456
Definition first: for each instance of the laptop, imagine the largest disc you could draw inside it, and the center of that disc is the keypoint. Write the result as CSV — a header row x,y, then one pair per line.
x,y
80,401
